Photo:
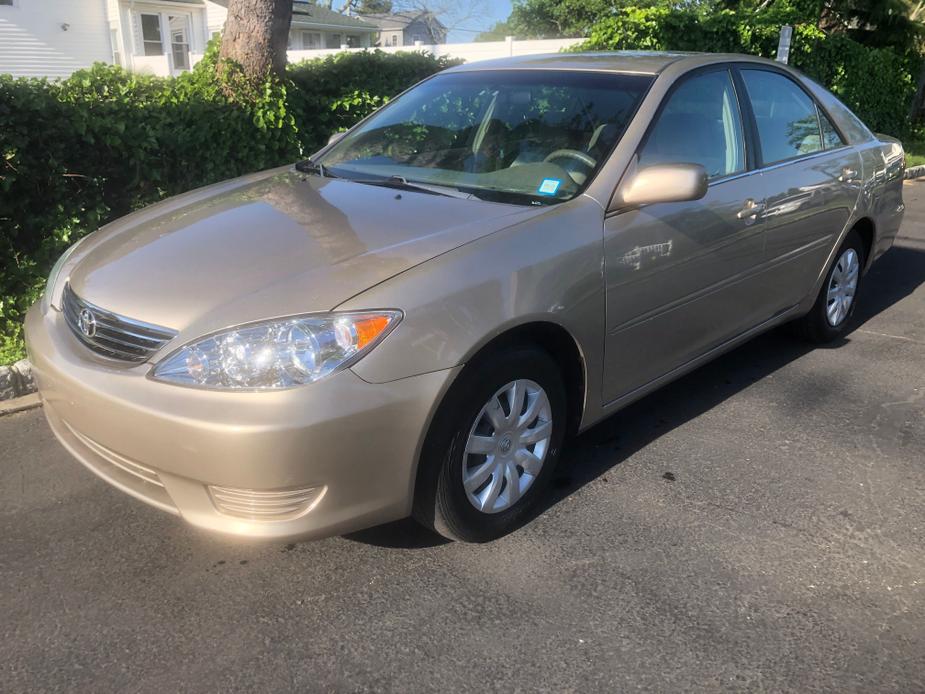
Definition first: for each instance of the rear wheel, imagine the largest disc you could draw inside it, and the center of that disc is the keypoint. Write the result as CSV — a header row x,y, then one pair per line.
x,y
493,446
831,314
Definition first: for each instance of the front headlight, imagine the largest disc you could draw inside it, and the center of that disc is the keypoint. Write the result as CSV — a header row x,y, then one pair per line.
x,y
277,354
49,295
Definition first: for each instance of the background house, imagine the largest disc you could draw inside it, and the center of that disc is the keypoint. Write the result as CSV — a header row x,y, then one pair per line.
x,y
404,28
52,38
314,26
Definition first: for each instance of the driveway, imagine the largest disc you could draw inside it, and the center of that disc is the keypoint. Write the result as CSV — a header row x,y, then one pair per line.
x,y
758,525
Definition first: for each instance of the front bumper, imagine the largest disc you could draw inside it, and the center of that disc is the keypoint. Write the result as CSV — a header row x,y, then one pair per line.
x,y
323,459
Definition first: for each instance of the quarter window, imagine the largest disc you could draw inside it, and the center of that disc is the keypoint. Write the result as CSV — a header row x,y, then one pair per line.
x,y
830,137
786,117
699,124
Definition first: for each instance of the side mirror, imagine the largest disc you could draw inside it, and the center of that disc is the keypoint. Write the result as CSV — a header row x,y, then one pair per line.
x,y
335,137
662,183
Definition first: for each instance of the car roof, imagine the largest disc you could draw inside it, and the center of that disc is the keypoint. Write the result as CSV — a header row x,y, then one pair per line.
x,y
637,62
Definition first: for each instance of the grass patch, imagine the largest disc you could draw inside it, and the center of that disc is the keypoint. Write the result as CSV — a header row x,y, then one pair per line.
x,y
915,152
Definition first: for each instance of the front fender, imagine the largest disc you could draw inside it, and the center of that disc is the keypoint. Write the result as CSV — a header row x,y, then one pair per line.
x,y
546,269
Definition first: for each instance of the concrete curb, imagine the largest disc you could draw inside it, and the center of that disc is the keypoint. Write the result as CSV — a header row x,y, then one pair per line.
x,y
915,172
26,402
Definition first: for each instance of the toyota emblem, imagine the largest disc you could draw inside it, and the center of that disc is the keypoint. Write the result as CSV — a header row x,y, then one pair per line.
x,y
86,321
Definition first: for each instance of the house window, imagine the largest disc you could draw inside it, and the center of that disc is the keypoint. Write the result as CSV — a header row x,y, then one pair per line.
x,y
151,34
394,39
333,41
7,3
353,40
114,40
311,40
179,41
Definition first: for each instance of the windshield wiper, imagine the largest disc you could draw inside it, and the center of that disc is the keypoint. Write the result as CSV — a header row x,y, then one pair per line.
x,y
311,167
402,183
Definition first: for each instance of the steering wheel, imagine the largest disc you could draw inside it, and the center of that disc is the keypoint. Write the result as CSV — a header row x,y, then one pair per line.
x,y
585,159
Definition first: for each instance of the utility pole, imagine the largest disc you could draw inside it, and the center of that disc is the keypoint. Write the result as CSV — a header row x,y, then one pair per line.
x,y
783,46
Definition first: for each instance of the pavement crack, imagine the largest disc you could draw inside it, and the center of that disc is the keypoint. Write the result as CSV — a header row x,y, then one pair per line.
x,y
894,337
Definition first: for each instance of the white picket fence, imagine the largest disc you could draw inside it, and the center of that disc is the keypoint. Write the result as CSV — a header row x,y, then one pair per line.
x,y
470,52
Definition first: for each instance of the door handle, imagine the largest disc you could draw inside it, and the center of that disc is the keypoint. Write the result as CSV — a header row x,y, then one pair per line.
x,y
751,210
848,175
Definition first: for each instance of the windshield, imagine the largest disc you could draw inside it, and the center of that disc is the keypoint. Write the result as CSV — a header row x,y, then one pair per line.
x,y
521,136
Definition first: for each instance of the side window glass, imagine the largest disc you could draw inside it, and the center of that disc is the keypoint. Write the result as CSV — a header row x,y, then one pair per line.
x,y
830,137
784,114
699,124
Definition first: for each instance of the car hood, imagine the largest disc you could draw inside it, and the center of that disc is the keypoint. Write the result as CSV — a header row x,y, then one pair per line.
x,y
267,245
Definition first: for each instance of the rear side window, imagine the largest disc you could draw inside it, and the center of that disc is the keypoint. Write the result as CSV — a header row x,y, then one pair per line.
x,y
699,124
785,115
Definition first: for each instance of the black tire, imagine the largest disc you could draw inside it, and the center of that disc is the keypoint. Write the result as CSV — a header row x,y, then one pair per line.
x,y
815,326
441,502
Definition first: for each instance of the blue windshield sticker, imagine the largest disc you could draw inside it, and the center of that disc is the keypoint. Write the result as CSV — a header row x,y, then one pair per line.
x,y
549,186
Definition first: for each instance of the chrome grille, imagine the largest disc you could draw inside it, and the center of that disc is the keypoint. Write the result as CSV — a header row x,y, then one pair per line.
x,y
113,336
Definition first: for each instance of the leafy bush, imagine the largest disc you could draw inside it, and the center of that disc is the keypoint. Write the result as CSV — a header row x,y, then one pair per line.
x,y
877,83
78,153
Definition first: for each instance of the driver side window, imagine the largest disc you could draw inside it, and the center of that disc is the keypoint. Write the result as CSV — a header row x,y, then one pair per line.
x,y
699,124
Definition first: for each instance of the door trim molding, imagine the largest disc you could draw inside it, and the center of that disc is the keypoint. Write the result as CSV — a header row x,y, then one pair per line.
x,y
721,285
700,360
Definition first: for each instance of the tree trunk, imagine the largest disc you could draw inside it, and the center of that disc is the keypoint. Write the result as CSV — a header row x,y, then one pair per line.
x,y
255,36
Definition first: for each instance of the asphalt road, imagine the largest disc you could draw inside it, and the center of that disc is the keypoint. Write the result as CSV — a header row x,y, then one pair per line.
x,y
758,525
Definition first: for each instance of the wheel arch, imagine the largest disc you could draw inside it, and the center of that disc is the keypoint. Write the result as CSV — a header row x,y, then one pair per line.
x,y
561,345
866,230
547,335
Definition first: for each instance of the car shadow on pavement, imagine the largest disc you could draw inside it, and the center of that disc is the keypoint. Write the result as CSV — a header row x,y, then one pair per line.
x,y
403,534
895,275
607,444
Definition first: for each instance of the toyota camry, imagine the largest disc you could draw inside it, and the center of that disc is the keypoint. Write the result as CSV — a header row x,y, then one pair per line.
x,y
414,320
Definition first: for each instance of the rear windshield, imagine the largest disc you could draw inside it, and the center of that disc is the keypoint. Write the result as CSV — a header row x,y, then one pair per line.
x,y
521,136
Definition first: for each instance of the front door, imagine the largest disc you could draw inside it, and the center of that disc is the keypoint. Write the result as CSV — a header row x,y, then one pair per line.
x,y
681,277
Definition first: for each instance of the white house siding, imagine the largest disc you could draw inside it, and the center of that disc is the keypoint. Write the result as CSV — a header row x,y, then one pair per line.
x,y
33,43
215,17
391,37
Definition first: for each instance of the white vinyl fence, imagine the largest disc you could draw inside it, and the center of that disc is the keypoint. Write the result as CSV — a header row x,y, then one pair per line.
x,y
470,52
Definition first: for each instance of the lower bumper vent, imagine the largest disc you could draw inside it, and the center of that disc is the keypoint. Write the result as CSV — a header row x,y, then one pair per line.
x,y
278,505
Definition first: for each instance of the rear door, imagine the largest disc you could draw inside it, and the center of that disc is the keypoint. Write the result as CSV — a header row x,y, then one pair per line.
x,y
811,178
679,276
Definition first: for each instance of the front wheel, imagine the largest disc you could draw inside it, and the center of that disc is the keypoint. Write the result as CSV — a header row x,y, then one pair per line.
x,y
830,316
493,446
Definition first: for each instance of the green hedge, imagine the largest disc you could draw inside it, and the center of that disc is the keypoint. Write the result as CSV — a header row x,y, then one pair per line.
x,y
78,153
877,83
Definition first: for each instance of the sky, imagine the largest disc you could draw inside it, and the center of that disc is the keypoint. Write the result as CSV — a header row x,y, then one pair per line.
x,y
495,10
